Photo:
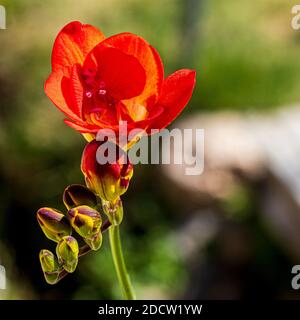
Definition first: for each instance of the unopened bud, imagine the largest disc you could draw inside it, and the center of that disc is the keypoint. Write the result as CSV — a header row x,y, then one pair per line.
x,y
85,220
76,195
110,180
54,224
67,252
49,266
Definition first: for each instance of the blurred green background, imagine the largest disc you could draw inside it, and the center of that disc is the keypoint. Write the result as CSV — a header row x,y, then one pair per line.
x,y
247,59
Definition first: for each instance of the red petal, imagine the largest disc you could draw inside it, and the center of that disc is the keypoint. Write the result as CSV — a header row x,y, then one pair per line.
x,y
145,124
76,89
176,92
123,75
147,56
88,159
160,69
72,91
81,127
54,90
72,45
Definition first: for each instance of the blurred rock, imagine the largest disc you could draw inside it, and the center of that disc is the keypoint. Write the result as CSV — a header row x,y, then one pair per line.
x,y
195,234
246,149
229,148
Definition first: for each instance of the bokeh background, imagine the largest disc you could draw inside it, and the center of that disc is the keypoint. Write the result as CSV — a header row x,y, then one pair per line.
x,y
232,232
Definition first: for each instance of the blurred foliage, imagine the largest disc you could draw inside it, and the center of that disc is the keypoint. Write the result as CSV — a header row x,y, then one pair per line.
x,y
246,56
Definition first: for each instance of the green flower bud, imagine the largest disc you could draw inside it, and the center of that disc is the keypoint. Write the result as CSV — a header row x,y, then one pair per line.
x,y
49,266
95,242
114,211
76,195
54,224
85,220
67,252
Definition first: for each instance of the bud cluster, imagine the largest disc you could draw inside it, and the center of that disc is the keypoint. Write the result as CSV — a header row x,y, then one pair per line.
x,y
80,225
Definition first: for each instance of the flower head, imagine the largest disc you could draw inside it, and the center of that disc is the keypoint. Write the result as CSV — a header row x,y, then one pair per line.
x,y
98,82
49,266
109,180
85,220
54,224
76,195
67,251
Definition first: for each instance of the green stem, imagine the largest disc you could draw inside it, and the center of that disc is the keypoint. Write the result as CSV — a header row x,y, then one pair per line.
x,y
117,254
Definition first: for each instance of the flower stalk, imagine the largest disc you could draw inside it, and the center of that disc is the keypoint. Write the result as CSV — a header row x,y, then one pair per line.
x,y
119,262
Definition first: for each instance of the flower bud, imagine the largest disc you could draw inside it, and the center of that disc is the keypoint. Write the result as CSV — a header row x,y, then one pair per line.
x,y
95,242
108,180
85,220
49,266
54,224
67,252
114,211
76,195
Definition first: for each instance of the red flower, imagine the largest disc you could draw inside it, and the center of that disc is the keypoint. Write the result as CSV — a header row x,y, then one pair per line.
x,y
98,81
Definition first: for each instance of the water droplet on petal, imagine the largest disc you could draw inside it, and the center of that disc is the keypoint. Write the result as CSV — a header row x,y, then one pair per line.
x,y
102,92
89,94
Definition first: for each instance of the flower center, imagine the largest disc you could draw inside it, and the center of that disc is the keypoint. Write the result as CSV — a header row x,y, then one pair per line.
x,y
99,104
93,85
